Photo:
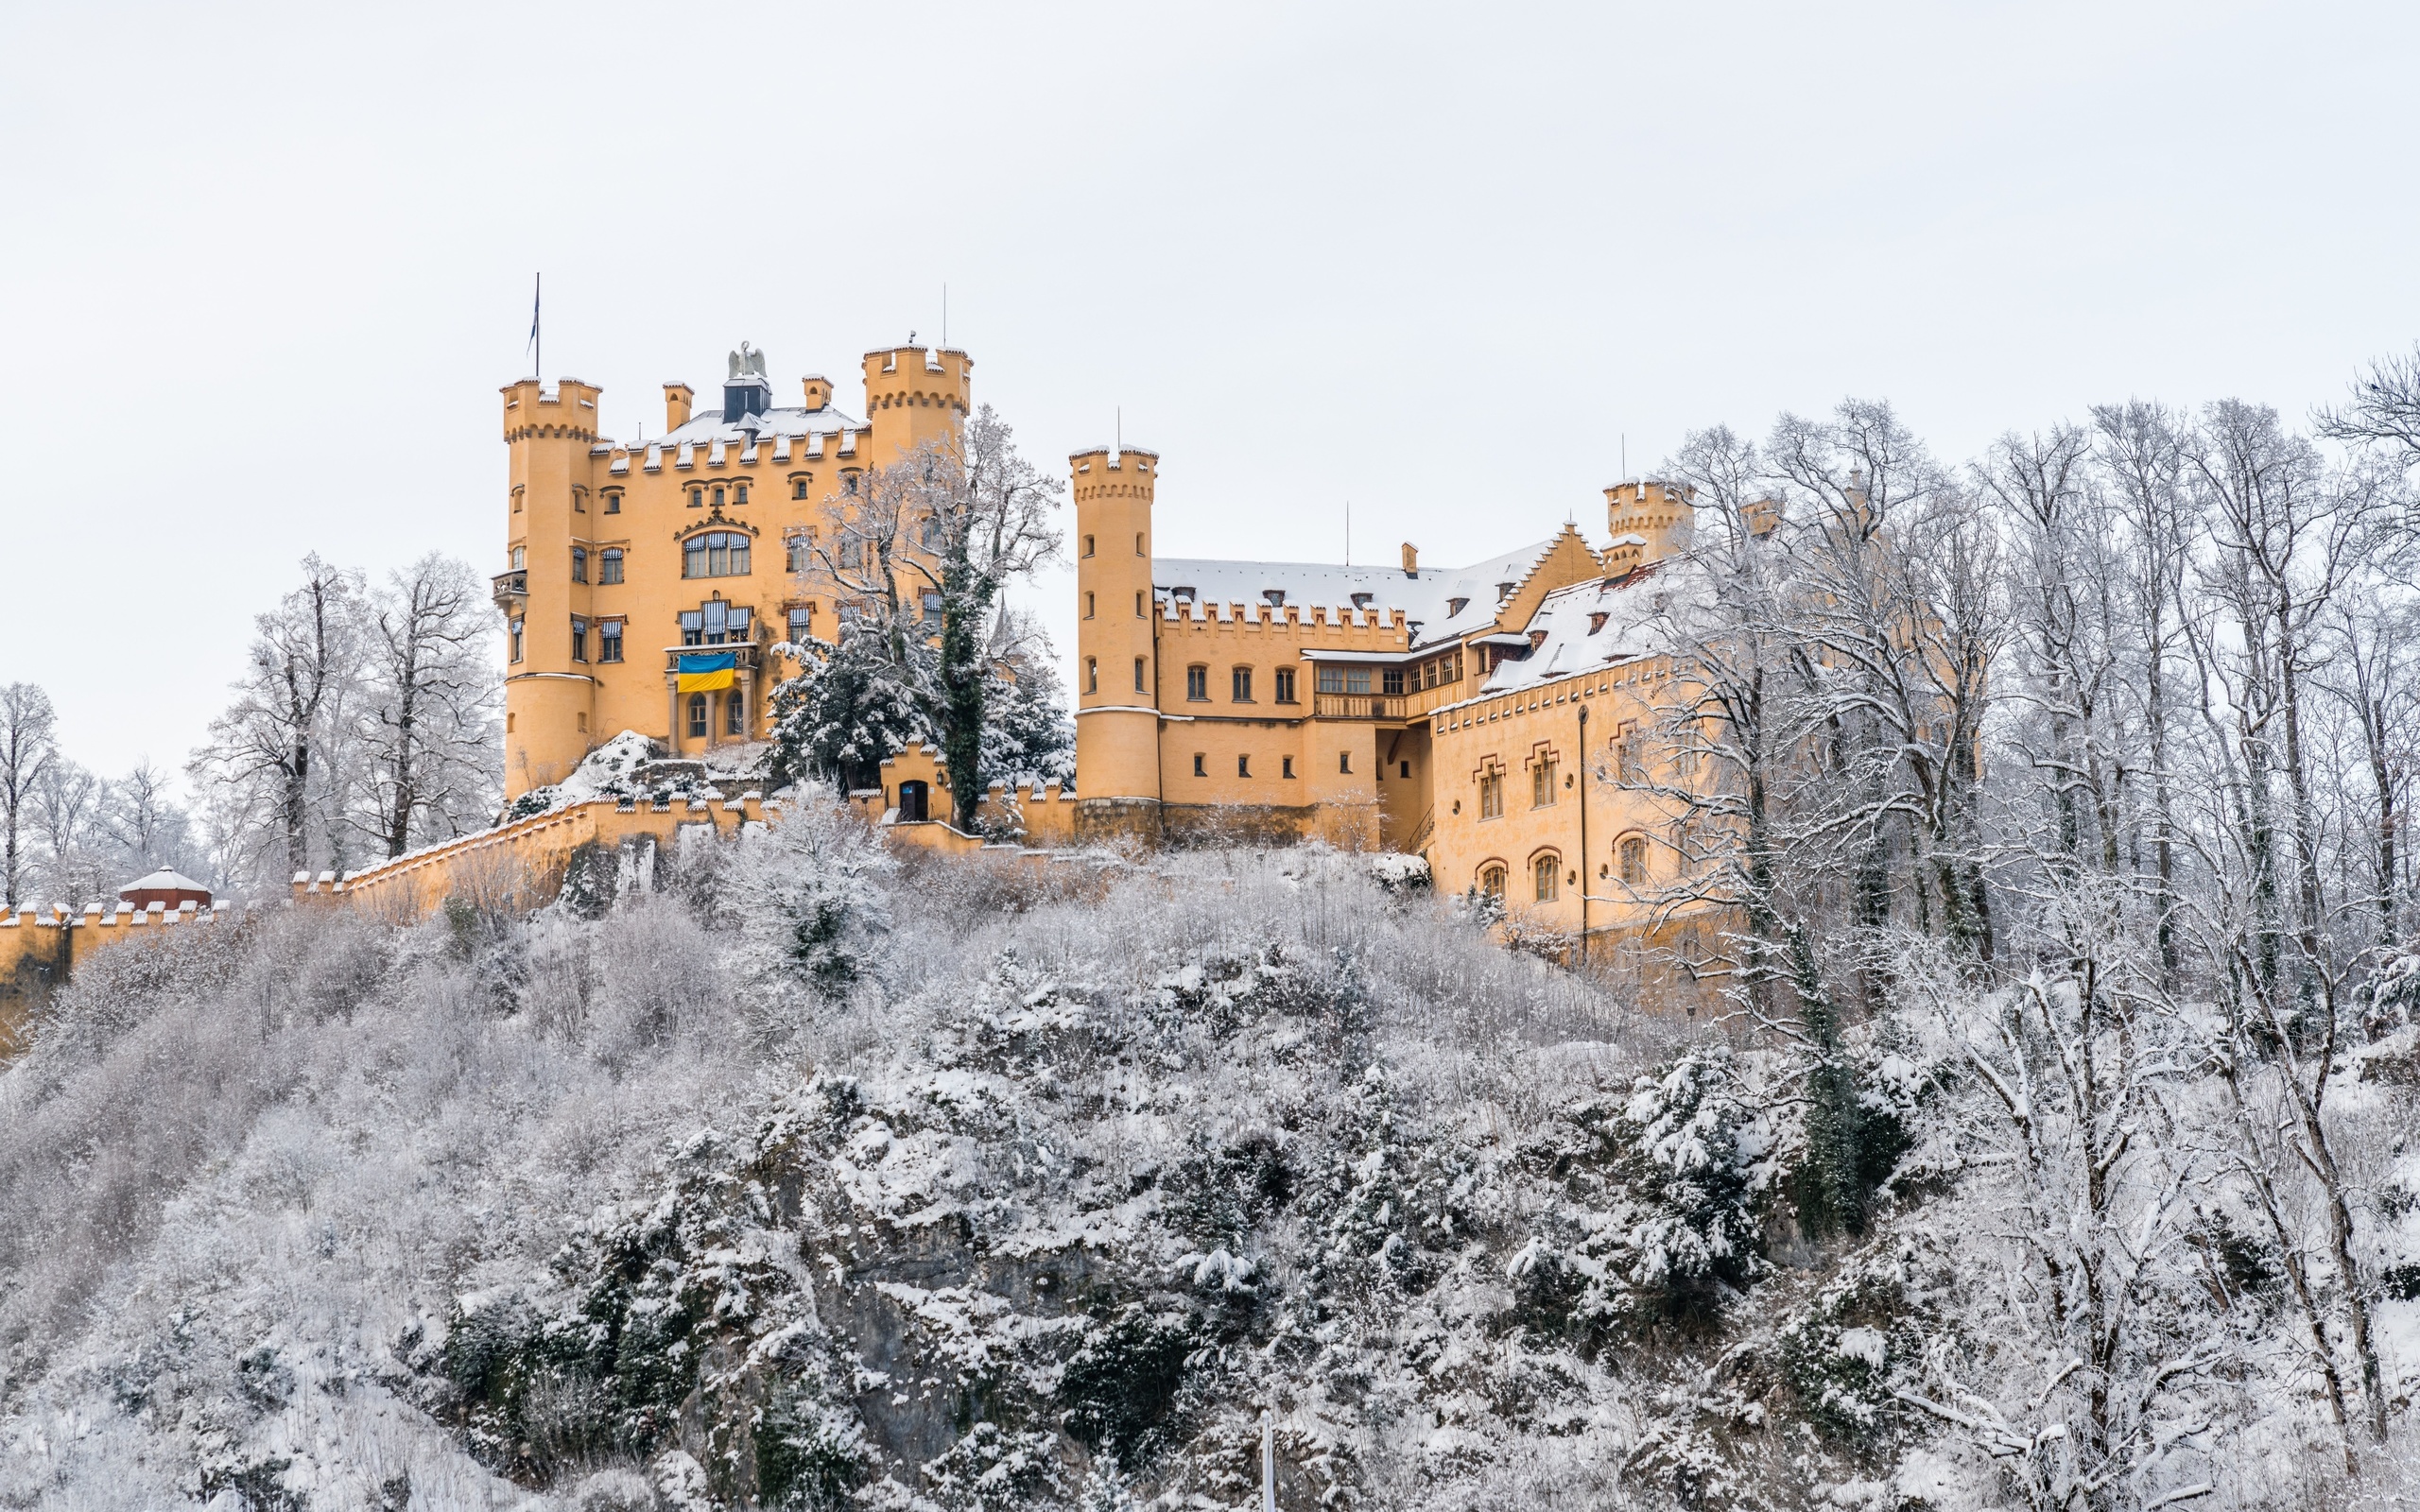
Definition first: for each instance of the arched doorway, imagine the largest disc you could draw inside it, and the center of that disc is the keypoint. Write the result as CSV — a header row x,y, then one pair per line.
x,y
914,799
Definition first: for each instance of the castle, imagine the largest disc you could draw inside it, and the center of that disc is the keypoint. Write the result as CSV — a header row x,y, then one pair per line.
x,y
1486,716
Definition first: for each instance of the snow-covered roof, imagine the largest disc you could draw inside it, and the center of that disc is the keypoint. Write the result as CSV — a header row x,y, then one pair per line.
x,y
709,425
1425,597
1571,646
163,880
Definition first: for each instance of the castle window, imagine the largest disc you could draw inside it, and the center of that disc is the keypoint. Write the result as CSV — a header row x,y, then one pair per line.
x,y
1631,853
1088,545
508,723
697,716
1491,882
1285,765
1627,764
734,709
579,640
1345,761
1243,766
1542,783
931,533
516,640
1455,606
1407,768
516,500
716,554
718,496
1198,769
932,606
1284,691
1197,684
853,552
520,557
579,501
798,488
1139,675
1138,542
1242,685
801,622
740,494
697,498
1139,602
609,565
849,484
1345,680
612,504
579,564
1490,796
715,622
1547,870
1088,606
1391,682
1092,674
609,641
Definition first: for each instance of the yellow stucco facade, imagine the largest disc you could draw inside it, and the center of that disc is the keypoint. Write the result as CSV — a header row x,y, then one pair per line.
x,y
1401,707
619,552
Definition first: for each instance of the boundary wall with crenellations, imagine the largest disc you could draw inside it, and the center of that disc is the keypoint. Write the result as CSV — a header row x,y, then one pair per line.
x,y
40,949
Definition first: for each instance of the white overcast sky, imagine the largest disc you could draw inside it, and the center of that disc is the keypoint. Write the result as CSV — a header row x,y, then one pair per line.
x,y
264,270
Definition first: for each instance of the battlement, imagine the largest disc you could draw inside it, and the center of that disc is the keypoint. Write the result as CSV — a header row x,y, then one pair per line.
x,y
1331,625
1103,473
897,377
568,413
1660,514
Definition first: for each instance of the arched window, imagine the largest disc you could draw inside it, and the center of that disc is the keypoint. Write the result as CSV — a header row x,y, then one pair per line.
x,y
1197,683
1547,870
520,557
1242,683
1092,674
734,712
609,565
1491,879
697,716
716,554
1630,855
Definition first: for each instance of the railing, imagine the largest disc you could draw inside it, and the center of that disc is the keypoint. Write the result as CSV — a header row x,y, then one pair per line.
x,y
1357,706
510,589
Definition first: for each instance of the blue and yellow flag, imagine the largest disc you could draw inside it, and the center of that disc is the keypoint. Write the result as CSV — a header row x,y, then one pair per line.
x,y
707,671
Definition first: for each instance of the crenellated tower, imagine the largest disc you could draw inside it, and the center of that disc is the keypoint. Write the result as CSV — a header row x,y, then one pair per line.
x,y
913,396
548,698
1118,719
1659,515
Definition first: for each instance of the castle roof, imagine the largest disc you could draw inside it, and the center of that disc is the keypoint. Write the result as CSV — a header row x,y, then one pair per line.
x,y
709,425
1425,596
1571,646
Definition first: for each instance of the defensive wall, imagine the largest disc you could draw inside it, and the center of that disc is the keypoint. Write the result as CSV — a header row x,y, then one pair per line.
x,y
40,949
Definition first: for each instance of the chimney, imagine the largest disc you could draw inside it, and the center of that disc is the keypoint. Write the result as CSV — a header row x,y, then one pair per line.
x,y
676,405
819,391
1410,560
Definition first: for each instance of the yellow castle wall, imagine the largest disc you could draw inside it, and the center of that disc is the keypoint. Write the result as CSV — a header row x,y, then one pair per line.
x,y
41,949
566,487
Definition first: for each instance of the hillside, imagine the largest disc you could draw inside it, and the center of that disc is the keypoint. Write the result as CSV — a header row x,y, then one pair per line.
x,y
825,1177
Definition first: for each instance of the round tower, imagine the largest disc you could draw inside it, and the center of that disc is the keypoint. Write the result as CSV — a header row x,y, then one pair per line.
x,y
1117,716
1659,514
548,698
914,396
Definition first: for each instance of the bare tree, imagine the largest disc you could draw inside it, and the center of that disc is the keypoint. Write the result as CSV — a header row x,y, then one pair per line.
x,y
27,746
65,798
2385,407
146,828
266,751
429,719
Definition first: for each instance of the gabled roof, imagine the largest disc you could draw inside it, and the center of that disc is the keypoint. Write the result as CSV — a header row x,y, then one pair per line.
x,y
1425,597
708,425
1630,630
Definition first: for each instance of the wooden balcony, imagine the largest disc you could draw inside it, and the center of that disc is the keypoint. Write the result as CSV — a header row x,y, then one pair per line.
x,y
1375,705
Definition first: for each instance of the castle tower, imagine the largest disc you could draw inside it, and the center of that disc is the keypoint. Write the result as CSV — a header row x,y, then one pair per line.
x,y
1117,720
1660,514
547,699
913,396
